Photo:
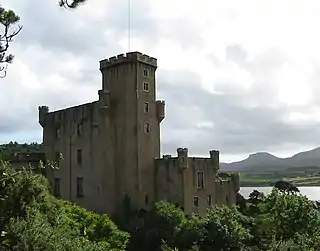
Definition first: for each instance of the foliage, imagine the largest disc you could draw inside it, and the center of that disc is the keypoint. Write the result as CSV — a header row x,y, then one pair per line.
x,y
32,219
286,187
95,227
8,20
7,150
72,5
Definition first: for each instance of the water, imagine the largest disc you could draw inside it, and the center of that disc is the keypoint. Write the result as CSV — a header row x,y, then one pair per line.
x,y
313,193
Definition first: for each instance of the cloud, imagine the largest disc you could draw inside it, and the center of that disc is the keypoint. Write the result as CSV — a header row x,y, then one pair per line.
x,y
233,78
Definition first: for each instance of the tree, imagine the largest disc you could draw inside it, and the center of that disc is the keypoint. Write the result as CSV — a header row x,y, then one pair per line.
x,y
286,187
72,5
32,219
9,20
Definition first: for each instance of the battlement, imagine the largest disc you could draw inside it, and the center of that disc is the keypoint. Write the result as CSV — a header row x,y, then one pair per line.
x,y
126,58
43,111
25,157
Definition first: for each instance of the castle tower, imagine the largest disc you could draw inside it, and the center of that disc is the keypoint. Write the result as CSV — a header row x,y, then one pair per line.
x,y
129,94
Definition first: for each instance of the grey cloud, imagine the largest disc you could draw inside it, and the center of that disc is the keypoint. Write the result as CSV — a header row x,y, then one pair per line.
x,y
236,53
238,127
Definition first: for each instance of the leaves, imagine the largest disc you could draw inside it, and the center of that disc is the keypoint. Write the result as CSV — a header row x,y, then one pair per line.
x,y
9,20
72,4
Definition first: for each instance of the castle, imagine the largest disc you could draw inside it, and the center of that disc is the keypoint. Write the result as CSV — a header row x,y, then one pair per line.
x,y
111,148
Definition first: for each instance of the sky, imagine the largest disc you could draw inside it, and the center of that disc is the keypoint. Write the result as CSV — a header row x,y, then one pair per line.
x,y
237,76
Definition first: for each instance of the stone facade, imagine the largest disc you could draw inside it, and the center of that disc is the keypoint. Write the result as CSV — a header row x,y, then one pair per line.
x,y
111,147
31,160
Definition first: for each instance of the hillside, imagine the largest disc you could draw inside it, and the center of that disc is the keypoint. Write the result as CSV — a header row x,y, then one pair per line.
x,y
266,161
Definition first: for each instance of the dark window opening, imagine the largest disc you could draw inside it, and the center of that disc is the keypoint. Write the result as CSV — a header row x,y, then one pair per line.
x,y
145,73
58,133
196,201
56,190
200,179
79,130
79,187
209,200
146,86
146,107
147,199
79,156
146,127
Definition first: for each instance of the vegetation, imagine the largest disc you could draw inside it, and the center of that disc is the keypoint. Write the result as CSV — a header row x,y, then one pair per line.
x,y
7,150
71,4
300,176
10,29
9,21
32,219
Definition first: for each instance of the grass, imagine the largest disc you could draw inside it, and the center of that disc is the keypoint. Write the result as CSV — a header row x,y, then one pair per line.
x,y
306,176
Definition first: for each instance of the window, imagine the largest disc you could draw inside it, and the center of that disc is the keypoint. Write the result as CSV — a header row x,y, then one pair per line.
x,y
146,127
147,200
209,200
79,130
146,86
145,73
79,187
56,191
57,133
196,201
79,156
200,180
146,107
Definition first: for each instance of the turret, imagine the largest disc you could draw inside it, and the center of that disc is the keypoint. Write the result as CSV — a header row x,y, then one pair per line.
x,y
214,156
160,106
43,111
182,158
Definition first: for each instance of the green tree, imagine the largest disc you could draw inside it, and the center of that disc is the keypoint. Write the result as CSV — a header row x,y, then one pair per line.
x,y
9,20
32,219
224,230
71,4
286,187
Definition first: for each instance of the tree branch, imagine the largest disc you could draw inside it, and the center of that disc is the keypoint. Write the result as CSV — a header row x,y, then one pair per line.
x,y
7,18
74,4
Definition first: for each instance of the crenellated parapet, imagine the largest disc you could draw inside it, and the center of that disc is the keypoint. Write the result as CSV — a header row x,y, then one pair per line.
x,y
182,158
43,112
126,58
160,107
214,156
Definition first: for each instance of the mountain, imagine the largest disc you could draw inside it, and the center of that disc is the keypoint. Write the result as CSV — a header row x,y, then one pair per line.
x,y
267,161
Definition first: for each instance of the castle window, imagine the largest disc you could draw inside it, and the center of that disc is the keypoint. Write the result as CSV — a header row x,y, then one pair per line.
x,y
146,127
146,86
56,191
146,107
79,187
145,73
196,201
57,133
209,200
79,156
200,179
79,130
147,200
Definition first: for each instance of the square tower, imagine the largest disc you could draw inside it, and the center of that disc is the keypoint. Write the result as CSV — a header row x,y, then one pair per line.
x,y
129,96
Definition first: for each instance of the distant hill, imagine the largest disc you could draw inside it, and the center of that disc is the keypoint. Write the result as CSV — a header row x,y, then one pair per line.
x,y
267,161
